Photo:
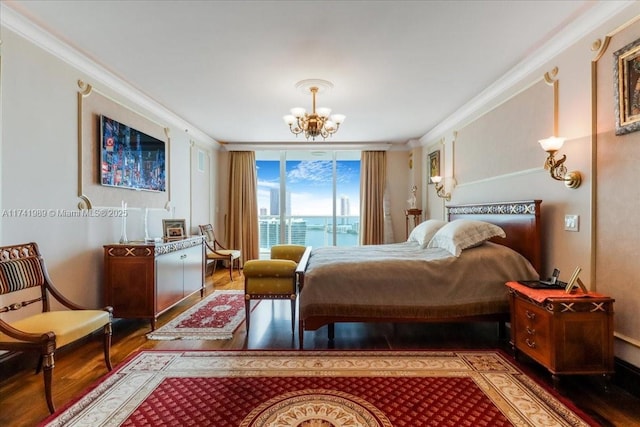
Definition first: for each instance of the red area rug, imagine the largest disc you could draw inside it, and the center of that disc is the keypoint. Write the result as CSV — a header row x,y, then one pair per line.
x,y
318,388
213,318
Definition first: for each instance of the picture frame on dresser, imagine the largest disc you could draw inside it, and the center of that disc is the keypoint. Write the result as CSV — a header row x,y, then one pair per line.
x,y
175,233
174,228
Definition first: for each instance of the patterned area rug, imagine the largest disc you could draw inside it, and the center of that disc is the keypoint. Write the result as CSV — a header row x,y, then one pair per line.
x,y
213,318
319,389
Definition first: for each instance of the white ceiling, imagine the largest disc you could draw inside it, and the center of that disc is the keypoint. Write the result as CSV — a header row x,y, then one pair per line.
x,y
228,68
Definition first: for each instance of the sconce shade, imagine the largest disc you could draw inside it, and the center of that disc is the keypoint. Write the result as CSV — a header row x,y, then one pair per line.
x,y
553,143
440,191
556,167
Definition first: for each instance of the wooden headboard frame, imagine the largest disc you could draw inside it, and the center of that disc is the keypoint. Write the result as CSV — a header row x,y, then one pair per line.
x,y
519,220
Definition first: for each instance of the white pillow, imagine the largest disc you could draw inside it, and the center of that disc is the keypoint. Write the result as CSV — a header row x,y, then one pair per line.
x,y
461,234
424,231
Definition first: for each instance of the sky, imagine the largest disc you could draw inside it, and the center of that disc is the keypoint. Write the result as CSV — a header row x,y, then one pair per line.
x,y
310,185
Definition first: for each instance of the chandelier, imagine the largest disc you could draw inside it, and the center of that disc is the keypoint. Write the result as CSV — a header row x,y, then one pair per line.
x,y
319,122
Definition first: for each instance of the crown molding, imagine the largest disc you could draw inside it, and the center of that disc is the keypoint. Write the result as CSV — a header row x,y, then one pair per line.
x,y
307,146
17,23
597,15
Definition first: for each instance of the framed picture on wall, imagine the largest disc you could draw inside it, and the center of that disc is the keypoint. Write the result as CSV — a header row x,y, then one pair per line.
x,y
434,165
626,71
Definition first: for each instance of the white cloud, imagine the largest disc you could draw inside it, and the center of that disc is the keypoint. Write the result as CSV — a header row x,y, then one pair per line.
x,y
314,171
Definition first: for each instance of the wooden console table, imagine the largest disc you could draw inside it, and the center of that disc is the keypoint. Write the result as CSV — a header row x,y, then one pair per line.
x,y
417,216
143,280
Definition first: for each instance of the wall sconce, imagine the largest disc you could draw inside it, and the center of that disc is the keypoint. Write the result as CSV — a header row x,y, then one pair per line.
x,y
556,168
437,180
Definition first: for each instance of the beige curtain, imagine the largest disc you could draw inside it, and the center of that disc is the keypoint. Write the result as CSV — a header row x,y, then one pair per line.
x,y
373,166
242,221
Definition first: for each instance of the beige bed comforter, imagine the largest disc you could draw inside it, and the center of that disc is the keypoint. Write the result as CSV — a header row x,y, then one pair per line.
x,y
403,281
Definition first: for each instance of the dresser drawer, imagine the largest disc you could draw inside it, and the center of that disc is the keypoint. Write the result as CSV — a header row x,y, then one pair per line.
x,y
533,330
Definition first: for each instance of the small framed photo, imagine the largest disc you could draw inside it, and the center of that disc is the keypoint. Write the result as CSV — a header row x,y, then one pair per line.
x,y
434,165
174,233
174,228
626,71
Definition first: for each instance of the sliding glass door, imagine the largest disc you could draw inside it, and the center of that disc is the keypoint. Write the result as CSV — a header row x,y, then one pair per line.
x,y
308,197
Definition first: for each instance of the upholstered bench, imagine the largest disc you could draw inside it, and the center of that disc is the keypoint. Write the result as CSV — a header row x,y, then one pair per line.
x,y
22,269
273,278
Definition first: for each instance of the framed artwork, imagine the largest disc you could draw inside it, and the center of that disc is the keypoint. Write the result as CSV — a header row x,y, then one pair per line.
x,y
626,71
434,165
174,228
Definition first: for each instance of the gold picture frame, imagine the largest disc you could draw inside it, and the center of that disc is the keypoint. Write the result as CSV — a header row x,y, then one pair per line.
x,y
434,165
575,280
174,229
626,71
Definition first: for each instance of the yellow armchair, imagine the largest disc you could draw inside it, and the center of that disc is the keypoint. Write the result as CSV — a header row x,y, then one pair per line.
x,y
273,278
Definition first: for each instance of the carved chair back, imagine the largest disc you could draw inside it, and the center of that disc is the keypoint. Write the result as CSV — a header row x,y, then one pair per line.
x,y
21,268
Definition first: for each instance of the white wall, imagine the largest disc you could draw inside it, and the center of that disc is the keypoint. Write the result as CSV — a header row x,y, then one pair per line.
x,y
39,171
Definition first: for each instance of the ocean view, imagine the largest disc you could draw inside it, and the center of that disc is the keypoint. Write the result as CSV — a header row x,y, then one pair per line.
x,y
309,231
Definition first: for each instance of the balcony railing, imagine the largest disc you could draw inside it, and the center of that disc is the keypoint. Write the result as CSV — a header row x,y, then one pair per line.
x,y
308,230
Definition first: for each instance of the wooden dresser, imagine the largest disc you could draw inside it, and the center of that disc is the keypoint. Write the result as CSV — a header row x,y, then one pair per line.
x,y
144,280
566,333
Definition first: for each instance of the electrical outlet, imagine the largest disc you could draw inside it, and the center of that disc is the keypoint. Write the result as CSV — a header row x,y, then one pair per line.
x,y
571,222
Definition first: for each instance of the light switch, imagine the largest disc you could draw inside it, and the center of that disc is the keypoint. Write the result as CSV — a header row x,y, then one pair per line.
x,y
571,222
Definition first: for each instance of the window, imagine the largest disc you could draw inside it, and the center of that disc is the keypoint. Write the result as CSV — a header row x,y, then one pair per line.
x,y
308,197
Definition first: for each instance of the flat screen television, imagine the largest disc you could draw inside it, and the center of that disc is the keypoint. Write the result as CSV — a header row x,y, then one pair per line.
x,y
130,158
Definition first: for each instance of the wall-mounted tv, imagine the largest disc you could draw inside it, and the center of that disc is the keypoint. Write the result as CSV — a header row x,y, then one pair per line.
x,y
129,158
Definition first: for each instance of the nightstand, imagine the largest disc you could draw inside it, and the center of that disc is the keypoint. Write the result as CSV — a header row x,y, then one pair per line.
x,y
417,216
568,334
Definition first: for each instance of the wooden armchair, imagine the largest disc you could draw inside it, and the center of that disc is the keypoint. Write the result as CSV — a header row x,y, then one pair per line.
x,y
22,269
273,278
216,252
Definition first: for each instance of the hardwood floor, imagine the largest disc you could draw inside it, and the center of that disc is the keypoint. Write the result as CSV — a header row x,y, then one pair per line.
x,y
21,392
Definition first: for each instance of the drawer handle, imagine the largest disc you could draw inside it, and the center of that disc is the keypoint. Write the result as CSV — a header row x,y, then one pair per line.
x,y
530,315
531,344
531,331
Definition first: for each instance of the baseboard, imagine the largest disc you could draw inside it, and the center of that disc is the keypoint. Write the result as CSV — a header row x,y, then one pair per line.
x,y
15,362
627,376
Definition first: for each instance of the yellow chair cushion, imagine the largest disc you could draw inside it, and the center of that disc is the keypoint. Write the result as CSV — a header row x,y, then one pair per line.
x,y
224,254
68,325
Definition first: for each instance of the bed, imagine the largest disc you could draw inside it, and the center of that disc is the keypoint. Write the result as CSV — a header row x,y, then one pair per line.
x,y
408,282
